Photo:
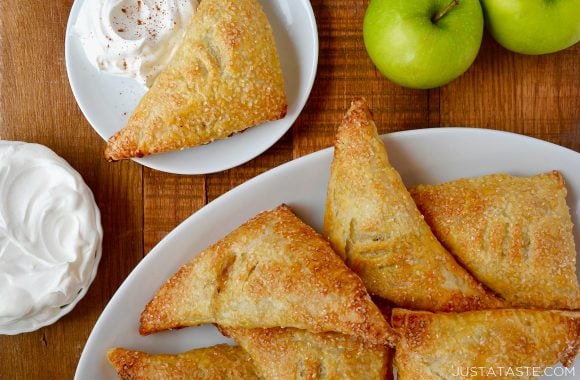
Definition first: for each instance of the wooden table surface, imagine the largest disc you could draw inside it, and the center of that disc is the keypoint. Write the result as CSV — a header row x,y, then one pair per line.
x,y
536,96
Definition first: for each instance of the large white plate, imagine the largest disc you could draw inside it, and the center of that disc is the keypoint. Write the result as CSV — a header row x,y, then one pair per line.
x,y
422,156
107,100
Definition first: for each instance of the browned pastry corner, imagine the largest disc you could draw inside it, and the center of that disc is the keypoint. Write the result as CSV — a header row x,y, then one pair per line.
x,y
221,362
273,271
462,345
225,77
515,234
288,354
372,221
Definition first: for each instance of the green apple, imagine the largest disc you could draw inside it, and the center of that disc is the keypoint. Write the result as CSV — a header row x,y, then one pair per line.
x,y
423,43
533,26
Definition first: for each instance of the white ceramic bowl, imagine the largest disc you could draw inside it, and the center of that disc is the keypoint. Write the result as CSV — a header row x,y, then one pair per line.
x,y
50,237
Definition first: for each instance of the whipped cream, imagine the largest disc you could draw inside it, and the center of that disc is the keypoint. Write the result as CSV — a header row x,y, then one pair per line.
x,y
133,38
50,237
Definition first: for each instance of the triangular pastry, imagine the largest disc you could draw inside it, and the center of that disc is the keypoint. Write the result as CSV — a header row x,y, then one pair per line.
x,y
225,77
273,271
290,354
221,362
513,233
479,344
372,221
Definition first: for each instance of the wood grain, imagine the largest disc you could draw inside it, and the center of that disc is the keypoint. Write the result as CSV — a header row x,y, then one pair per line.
x,y
533,95
168,200
344,72
536,96
36,105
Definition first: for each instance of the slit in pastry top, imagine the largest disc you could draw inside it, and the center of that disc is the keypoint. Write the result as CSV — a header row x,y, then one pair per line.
x,y
514,233
458,345
224,78
373,223
273,271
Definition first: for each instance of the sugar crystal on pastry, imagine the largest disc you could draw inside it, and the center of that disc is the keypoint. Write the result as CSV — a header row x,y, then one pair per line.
x,y
515,234
224,78
373,223
273,271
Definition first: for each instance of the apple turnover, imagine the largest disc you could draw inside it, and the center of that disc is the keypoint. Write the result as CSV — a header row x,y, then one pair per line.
x,y
372,221
273,271
513,233
225,77
290,354
221,362
483,344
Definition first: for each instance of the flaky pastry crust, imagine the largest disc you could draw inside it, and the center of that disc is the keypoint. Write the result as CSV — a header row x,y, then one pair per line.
x,y
225,77
513,233
372,221
221,362
289,354
458,345
273,271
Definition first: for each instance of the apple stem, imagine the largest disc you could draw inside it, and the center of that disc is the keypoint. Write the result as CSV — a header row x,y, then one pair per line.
x,y
439,15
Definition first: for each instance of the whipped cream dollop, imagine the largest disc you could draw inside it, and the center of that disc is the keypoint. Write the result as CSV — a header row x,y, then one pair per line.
x,y
50,237
133,38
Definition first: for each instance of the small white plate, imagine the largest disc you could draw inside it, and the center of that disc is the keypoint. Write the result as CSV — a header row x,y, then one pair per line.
x,y
422,156
107,100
